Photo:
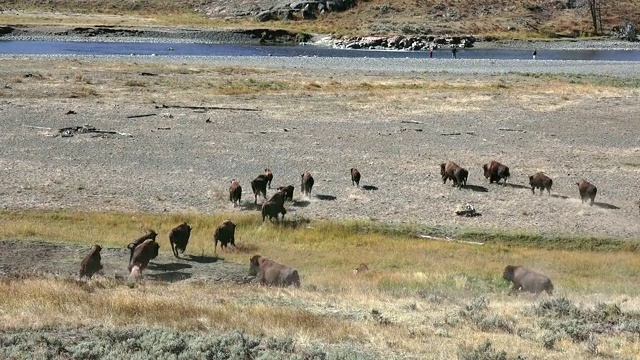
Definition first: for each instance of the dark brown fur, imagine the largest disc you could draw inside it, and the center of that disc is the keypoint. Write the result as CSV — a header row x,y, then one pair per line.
x,y
226,234
494,171
288,191
91,262
527,280
306,183
235,192
132,246
355,177
259,186
587,191
144,253
456,173
540,181
272,209
179,238
271,273
362,268
269,175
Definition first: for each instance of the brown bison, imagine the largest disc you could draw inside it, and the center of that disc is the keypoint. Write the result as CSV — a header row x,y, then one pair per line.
x,y
456,173
226,234
179,238
270,272
91,262
272,209
587,191
306,183
288,191
132,246
144,253
527,280
235,192
494,171
355,177
259,186
540,181
269,176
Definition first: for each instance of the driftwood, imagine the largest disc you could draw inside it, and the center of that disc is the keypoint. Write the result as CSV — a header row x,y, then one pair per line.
x,y
163,106
516,130
148,74
37,127
451,134
449,240
70,131
139,116
411,122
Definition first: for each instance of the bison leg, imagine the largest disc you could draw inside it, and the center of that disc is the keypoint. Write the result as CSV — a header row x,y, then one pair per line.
x,y
174,250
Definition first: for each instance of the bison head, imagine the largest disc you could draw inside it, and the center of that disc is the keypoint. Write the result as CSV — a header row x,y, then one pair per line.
x,y
508,272
254,265
442,166
486,170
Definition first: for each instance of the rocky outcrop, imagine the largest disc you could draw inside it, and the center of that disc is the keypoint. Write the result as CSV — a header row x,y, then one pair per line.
x,y
306,9
399,42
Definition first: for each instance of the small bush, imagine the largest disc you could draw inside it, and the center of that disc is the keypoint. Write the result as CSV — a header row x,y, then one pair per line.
x,y
483,352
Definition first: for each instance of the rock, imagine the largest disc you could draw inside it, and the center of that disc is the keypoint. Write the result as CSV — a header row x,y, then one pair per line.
x,y
466,210
263,16
627,32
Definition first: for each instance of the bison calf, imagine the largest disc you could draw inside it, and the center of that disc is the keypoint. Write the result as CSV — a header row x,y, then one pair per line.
x,y
355,177
235,192
272,209
456,173
144,253
494,171
226,234
259,186
527,280
269,176
270,272
306,183
132,246
91,262
179,238
540,181
288,191
587,191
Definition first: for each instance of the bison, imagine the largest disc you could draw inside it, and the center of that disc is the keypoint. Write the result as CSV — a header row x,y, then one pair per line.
x,y
91,262
355,177
144,253
587,191
494,171
306,183
361,269
527,280
272,209
455,172
226,234
540,181
132,246
179,238
259,186
270,272
269,175
235,192
288,191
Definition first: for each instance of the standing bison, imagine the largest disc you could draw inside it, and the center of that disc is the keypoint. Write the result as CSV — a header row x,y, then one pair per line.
x,y
355,177
179,238
142,254
587,191
288,191
494,171
306,183
91,262
271,209
132,246
259,186
226,234
269,176
453,171
527,280
235,192
270,272
540,181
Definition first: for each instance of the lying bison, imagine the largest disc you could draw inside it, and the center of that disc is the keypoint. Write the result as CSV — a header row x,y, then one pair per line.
x,y
90,264
235,192
288,191
270,272
179,238
142,254
226,234
259,186
453,171
494,171
540,181
271,209
132,246
527,280
306,183
269,176
355,177
587,191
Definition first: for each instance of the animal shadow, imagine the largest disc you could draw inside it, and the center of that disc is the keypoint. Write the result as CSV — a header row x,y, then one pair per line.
x,y
300,203
171,276
369,187
204,259
251,206
169,266
325,197
605,206
476,188
563,197
518,186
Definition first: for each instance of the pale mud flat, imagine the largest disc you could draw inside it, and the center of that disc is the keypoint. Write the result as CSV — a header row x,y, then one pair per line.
x,y
178,161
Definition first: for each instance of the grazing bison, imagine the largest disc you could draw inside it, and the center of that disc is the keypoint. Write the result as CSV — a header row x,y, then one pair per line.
x,y
271,209
144,253
355,177
456,173
527,280
226,234
288,191
540,181
235,192
270,272
91,262
587,191
259,186
269,176
132,246
494,171
306,183
179,238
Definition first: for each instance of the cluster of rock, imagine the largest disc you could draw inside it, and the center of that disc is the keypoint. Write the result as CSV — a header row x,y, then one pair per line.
x,y
305,9
400,42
